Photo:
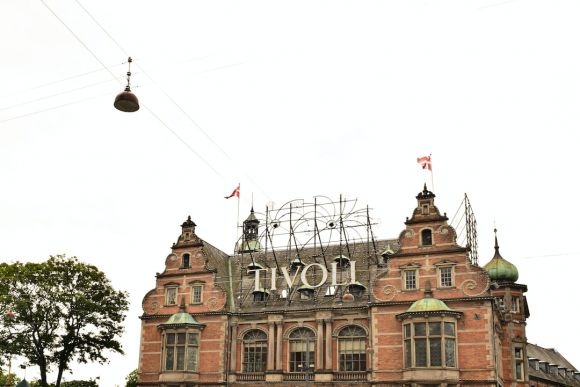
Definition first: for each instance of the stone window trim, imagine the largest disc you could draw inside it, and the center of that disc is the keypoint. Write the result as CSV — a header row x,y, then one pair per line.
x,y
346,359
426,237
519,359
446,341
196,293
190,349
301,350
257,340
171,293
185,261
409,277
441,268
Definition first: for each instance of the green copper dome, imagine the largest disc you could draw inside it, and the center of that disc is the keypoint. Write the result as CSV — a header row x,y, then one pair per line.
x,y
499,269
181,318
429,304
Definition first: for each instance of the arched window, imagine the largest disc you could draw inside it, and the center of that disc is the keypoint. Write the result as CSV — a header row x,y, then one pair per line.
x,y
352,349
302,350
426,237
255,351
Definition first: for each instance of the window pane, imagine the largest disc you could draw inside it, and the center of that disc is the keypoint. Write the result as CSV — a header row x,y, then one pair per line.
x,y
181,338
407,331
169,358
170,338
446,279
408,354
192,358
449,329
192,338
196,294
420,353
420,329
435,329
180,358
450,352
435,352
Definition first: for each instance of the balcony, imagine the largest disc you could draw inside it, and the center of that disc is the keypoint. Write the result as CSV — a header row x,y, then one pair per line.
x,y
251,377
350,376
299,376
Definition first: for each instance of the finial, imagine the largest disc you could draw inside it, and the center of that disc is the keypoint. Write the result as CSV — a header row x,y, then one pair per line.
x,y
182,304
424,186
496,245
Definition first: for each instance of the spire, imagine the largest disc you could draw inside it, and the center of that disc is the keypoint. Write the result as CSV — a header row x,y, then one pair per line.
x,y
499,269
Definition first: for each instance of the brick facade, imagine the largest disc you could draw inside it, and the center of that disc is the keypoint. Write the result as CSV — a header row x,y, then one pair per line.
x,y
249,333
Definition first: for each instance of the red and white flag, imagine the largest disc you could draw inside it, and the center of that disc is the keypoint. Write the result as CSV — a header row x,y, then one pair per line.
x,y
235,193
425,162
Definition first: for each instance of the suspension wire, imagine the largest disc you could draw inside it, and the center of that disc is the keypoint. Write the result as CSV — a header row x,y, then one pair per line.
x,y
54,107
187,115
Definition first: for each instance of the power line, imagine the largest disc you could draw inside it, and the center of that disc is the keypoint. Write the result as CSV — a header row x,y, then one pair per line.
x,y
187,115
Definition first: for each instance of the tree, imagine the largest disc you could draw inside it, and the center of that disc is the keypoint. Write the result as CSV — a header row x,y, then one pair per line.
x,y
63,310
131,379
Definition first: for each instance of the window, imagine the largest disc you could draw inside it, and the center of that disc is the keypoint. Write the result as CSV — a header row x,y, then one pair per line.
x,y
255,351
260,295
426,237
429,344
196,294
519,362
181,351
352,349
446,277
410,279
171,295
185,261
515,305
302,350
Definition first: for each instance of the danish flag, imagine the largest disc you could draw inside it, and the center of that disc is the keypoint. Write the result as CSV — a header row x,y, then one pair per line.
x,y
236,192
425,162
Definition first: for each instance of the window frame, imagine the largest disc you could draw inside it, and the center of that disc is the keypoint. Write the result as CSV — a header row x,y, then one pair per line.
x,y
515,305
445,265
189,349
359,365
411,339
423,233
168,288
308,357
407,270
519,366
194,287
261,343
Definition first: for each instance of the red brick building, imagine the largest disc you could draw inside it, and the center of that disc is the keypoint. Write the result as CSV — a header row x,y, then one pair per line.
x,y
312,297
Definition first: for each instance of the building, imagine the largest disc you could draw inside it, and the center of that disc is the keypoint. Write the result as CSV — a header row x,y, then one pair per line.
x,y
312,297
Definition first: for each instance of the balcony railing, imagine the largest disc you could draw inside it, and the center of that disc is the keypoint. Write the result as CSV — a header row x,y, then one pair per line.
x,y
297,376
249,377
350,376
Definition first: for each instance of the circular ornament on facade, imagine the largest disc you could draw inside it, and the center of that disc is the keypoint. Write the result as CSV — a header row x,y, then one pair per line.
x,y
389,291
151,308
473,288
212,303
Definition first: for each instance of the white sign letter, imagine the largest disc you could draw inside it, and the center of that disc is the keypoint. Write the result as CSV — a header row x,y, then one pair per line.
x,y
324,275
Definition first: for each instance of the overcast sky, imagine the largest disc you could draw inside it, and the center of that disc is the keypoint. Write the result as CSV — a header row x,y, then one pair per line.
x,y
292,100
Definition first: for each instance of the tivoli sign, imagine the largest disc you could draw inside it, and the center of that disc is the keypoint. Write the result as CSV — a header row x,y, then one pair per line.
x,y
291,280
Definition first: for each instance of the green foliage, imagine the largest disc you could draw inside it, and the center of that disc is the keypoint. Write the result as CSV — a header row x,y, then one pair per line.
x,y
61,310
131,379
8,379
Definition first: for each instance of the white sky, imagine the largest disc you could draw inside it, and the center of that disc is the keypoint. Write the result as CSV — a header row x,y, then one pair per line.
x,y
302,98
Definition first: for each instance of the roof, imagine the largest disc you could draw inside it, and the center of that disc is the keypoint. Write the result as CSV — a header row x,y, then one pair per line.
x,y
553,357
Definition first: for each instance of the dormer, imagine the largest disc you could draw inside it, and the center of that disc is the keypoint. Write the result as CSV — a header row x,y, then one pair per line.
x,y
187,237
426,210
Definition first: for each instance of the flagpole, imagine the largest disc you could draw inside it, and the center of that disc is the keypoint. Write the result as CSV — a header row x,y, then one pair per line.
x,y
432,183
238,219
